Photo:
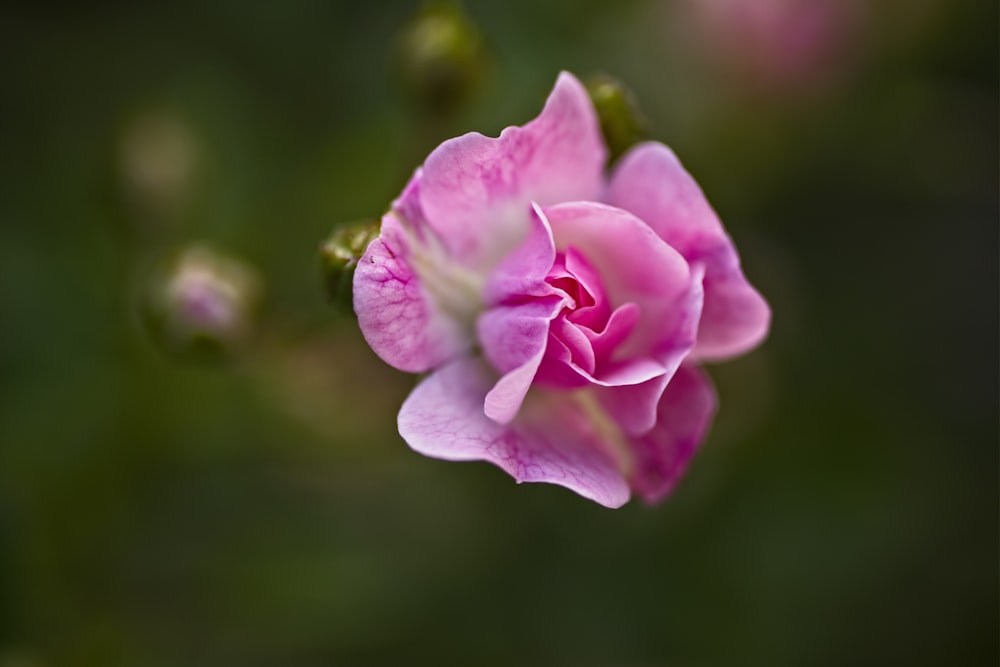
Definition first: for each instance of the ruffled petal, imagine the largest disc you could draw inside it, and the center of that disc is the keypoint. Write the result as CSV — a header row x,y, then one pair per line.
x,y
514,340
633,406
684,413
522,272
650,182
581,350
638,267
592,309
735,318
551,442
401,320
617,328
476,189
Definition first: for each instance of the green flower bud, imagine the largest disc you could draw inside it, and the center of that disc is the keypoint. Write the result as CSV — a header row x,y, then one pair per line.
x,y
440,56
621,123
200,306
339,255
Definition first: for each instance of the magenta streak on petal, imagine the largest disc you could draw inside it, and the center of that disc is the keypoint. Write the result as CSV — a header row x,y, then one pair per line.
x,y
553,441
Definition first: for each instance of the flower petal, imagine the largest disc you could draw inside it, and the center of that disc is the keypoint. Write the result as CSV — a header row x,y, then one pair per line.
x,y
476,189
514,339
735,318
522,272
617,328
684,413
637,267
401,321
650,182
633,406
552,442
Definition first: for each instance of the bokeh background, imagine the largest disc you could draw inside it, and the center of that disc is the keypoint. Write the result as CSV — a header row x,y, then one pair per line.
x,y
159,510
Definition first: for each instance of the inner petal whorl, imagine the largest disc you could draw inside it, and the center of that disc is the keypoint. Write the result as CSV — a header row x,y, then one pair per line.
x,y
578,341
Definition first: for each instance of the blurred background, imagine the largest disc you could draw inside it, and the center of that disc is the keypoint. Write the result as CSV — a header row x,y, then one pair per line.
x,y
198,456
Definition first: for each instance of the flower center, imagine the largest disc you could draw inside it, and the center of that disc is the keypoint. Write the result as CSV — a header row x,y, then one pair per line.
x,y
456,289
583,337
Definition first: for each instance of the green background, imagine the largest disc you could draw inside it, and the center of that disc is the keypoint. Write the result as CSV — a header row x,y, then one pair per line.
x,y
154,512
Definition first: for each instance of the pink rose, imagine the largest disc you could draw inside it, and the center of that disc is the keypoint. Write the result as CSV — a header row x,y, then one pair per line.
x,y
560,315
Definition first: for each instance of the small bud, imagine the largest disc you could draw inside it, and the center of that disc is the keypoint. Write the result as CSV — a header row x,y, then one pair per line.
x,y
339,255
621,122
201,305
440,56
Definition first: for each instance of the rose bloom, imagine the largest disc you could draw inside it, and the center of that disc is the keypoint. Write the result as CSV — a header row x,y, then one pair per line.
x,y
561,315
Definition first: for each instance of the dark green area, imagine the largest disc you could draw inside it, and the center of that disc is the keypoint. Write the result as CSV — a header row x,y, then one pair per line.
x,y
264,512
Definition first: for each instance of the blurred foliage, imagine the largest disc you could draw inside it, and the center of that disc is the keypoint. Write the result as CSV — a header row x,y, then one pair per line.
x,y
843,510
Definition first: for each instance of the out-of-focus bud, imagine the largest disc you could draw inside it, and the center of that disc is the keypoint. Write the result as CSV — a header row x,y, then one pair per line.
x,y
621,122
339,255
201,305
157,162
440,56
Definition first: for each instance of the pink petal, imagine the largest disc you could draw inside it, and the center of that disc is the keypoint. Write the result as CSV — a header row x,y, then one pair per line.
x,y
557,369
401,322
580,348
595,314
552,442
631,391
650,182
637,267
513,339
618,327
476,189
735,318
522,272
407,207
633,406
661,456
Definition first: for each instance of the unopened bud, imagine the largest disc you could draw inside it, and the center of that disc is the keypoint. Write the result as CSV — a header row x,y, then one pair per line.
x,y
621,122
339,255
201,305
441,55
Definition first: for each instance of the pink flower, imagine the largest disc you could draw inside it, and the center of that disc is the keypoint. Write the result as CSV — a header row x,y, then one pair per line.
x,y
560,315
